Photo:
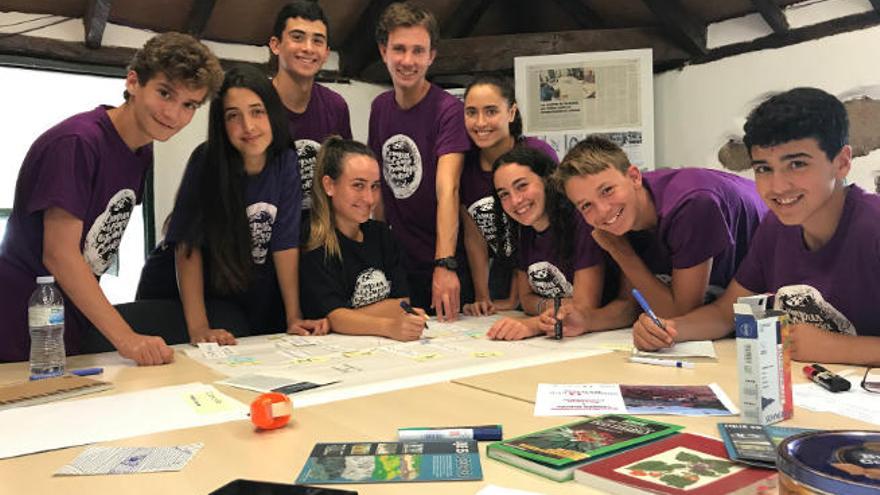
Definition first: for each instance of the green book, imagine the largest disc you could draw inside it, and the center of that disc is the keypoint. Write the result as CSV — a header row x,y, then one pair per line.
x,y
555,452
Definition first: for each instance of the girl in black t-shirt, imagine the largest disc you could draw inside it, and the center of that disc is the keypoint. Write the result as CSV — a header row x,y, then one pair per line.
x,y
351,272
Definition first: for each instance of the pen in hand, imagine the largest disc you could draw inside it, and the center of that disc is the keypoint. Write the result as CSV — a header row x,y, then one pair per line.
x,y
647,308
557,324
409,309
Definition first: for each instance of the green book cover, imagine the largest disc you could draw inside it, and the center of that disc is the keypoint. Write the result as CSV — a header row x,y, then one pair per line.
x,y
573,443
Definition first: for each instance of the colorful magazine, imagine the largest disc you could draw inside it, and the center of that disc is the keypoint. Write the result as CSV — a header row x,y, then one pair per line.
x,y
681,464
555,452
386,462
754,444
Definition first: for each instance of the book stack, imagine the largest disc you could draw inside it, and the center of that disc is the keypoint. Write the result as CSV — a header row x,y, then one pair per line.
x,y
753,444
556,452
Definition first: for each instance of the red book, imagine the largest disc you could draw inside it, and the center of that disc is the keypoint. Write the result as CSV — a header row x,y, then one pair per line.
x,y
682,464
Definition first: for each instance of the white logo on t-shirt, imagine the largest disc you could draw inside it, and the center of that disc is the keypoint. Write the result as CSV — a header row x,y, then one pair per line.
x,y
371,286
401,165
261,217
307,155
805,304
102,241
548,281
483,213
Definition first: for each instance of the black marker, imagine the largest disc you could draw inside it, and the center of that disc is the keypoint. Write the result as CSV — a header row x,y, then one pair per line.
x,y
828,380
557,325
409,309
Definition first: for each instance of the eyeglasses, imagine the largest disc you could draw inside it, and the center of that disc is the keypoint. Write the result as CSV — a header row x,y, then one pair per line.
x,y
871,380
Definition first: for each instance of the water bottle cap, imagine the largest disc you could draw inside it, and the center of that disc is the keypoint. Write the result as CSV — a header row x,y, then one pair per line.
x,y
48,279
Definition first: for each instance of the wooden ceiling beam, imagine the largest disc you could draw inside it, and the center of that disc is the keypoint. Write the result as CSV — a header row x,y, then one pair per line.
x,y
359,49
583,14
95,20
462,21
773,15
199,15
688,31
876,5
496,53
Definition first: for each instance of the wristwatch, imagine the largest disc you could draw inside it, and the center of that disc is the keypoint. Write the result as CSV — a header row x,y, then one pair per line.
x,y
450,263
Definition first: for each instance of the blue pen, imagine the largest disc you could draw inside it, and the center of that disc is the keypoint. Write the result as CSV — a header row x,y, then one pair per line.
x,y
87,371
409,309
647,309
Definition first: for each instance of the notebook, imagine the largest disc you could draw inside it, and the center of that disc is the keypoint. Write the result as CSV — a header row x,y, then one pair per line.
x,y
48,390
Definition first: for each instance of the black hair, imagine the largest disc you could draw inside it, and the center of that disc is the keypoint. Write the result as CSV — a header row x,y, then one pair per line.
x,y
505,88
560,211
304,9
799,113
217,220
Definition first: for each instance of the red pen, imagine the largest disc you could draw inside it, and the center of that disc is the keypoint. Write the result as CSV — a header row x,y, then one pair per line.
x,y
828,380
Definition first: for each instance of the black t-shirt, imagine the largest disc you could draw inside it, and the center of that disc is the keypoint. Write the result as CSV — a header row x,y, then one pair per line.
x,y
369,272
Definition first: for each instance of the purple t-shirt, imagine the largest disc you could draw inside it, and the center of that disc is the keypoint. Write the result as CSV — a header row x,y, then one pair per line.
x,y
701,214
836,287
273,212
547,274
477,186
409,143
325,115
82,166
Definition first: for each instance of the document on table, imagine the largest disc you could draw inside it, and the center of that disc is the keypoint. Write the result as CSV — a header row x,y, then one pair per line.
x,y
609,398
67,424
128,460
696,348
857,403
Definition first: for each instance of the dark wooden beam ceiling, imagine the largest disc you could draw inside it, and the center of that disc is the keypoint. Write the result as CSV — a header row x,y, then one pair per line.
x,y
681,25
876,4
583,14
773,15
97,13
199,15
359,49
461,23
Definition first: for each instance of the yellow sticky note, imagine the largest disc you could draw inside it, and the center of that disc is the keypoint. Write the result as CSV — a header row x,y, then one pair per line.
x,y
427,357
208,402
487,354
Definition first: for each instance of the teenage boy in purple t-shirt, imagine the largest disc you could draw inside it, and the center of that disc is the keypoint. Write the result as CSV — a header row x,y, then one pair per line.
x,y
417,130
77,187
819,250
314,112
677,235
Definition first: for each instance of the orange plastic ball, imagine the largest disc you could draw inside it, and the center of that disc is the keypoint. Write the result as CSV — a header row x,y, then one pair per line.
x,y
271,410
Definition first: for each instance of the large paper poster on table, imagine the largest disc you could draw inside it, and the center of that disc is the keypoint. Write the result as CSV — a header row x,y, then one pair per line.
x,y
566,97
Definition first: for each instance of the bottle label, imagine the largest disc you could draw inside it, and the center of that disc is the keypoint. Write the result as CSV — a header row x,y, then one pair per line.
x,y
45,316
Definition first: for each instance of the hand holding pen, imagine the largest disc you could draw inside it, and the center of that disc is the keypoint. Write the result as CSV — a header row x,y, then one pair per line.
x,y
650,333
409,325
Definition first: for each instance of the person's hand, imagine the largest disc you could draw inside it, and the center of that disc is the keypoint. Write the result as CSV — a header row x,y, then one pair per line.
x,y
614,244
479,308
145,350
647,336
574,322
406,327
218,335
508,304
445,294
511,329
810,343
309,327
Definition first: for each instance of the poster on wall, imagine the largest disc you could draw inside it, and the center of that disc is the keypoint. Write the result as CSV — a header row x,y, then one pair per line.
x,y
564,98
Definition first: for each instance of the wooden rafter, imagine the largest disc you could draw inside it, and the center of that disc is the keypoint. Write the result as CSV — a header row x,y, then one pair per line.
x,y
583,14
359,48
876,5
688,31
461,23
773,15
199,15
97,13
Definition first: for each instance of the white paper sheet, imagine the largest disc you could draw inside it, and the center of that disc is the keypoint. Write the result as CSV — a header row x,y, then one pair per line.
x,y
129,460
26,430
588,399
696,348
857,403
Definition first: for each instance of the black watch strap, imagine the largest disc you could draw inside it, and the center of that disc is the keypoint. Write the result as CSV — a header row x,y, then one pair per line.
x,y
449,262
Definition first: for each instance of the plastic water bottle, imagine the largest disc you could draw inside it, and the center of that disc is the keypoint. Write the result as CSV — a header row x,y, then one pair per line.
x,y
46,324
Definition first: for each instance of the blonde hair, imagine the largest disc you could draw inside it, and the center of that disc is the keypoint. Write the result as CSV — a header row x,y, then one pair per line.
x,y
330,163
590,157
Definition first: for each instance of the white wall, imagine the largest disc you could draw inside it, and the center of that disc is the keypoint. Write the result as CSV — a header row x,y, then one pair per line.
x,y
698,108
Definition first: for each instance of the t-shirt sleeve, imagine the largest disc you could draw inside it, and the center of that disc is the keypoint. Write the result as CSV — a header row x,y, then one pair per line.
x,y
697,231
321,284
587,251
545,148
285,231
64,177
393,263
751,273
451,136
344,124
188,190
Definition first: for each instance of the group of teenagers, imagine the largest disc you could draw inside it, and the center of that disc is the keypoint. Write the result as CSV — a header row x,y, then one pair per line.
x,y
282,222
